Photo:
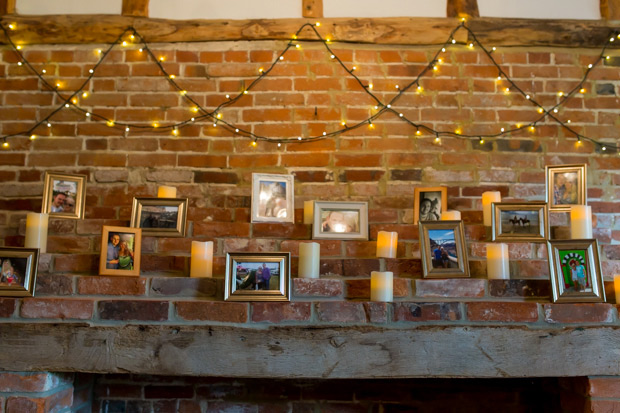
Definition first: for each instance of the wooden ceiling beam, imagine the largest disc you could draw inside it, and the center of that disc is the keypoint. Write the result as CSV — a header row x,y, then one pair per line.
x,y
137,8
312,8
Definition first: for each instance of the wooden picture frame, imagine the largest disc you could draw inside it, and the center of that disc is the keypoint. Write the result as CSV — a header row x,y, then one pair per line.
x,y
165,217
117,259
340,220
520,221
64,195
246,279
575,270
272,198
429,203
566,186
443,250
18,271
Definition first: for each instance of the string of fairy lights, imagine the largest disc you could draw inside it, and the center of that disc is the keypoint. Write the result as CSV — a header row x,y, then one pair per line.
x,y
130,37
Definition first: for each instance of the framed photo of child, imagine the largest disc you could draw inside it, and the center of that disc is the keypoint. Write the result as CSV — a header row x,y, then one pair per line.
x,y
340,220
272,198
429,203
18,271
120,251
566,186
64,195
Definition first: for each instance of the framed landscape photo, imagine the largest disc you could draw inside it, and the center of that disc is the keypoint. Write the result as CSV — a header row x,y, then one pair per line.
x,y
566,186
340,220
120,251
429,203
258,276
166,217
272,198
19,271
520,221
64,195
443,249
575,271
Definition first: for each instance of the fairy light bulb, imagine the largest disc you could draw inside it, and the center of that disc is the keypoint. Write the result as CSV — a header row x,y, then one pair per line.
x,y
84,94
19,63
507,90
33,137
245,92
471,45
110,123
443,49
332,56
420,89
354,68
237,130
502,130
527,97
74,101
281,57
227,96
49,125
480,141
370,86
254,143
127,129
19,47
343,123
183,92
88,114
99,51
299,138
66,105
162,58
582,90
560,94
555,110
175,132
297,46
437,139
155,125
5,144
418,132
590,66
172,76
12,26
279,144
540,110
453,41
43,71
317,24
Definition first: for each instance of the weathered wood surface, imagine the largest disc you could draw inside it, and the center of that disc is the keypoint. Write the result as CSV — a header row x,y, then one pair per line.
x,y
405,31
610,9
462,8
312,8
7,7
135,8
313,352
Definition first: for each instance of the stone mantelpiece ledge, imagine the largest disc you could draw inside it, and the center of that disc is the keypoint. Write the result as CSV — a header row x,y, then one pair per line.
x,y
313,351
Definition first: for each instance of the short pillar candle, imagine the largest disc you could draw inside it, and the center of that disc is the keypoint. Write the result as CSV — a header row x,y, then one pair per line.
x,y
451,215
382,286
617,287
580,221
387,243
487,203
36,231
202,259
309,259
166,192
497,262
308,212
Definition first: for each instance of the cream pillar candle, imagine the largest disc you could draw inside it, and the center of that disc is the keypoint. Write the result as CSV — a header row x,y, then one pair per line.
x,y
202,259
381,286
386,244
308,212
497,262
487,200
451,215
309,259
36,231
580,221
617,287
166,192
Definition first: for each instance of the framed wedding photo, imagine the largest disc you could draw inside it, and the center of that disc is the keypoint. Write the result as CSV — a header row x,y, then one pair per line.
x,y
429,203
272,198
443,249
64,195
340,220
520,221
566,186
165,217
19,271
575,271
120,251
258,276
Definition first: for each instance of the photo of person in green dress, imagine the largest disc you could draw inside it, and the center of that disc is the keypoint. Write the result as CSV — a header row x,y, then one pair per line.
x,y
125,256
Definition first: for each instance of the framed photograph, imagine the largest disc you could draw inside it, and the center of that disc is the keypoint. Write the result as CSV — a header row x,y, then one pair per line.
x,y
120,251
575,271
166,217
340,220
19,271
258,276
272,198
520,221
566,186
443,249
429,203
64,195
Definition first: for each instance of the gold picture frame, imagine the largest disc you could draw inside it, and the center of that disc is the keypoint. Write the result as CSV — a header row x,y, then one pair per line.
x,y
566,186
520,221
165,217
442,245
64,195
18,276
246,279
429,203
119,259
340,220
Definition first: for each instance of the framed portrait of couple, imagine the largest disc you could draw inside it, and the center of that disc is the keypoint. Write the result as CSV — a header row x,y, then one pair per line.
x,y
18,274
64,195
258,276
566,186
442,246
429,203
272,198
120,251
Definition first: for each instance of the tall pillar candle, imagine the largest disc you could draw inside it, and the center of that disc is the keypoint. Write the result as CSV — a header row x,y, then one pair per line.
x,y
387,243
308,212
36,231
202,259
497,262
487,203
166,192
382,286
451,215
617,287
309,259
580,221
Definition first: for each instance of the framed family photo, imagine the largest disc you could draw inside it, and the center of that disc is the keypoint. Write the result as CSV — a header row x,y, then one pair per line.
x,y
520,221
443,250
429,203
340,220
64,195
19,271
258,276
272,198
166,217
575,271
566,186
120,251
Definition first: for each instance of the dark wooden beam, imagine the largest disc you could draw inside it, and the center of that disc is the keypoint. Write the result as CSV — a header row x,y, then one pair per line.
x,y
463,8
138,8
610,9
312,8
7,7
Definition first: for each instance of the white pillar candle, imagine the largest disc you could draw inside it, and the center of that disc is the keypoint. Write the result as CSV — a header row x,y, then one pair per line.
x,y
451,215
617,287
386,244
487,200
309,259
382,286
202,259
166,192
36,231
497,262
580,221
308,212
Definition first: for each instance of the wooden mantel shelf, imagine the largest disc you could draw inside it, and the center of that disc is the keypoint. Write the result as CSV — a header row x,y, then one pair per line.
x,y
312,351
